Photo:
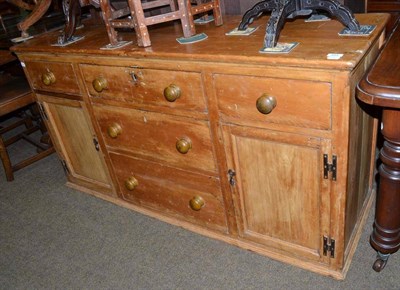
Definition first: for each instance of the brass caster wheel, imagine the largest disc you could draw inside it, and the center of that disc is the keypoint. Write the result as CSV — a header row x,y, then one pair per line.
x,y
380,262
378,265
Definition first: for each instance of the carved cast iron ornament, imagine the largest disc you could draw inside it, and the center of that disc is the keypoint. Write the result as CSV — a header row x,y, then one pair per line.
x,y
282,9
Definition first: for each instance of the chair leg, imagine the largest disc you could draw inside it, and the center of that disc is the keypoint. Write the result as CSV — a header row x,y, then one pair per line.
x,y
137,14
5,159
44,147
45,139
107,16
27,119
37,118
186,18
217,13
172,5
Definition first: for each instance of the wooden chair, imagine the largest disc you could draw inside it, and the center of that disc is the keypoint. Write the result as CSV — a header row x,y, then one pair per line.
x,y
15,96
37,8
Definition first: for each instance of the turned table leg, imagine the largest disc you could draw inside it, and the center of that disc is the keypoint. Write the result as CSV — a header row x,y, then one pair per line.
x,y
385,237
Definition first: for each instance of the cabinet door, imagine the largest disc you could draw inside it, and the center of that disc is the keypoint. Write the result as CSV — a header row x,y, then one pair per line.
x,y
73,136
281,197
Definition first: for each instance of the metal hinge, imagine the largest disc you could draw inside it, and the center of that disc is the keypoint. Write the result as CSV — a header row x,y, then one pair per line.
x,y
96,144
330,167
42,111
232,174
64,165
329,246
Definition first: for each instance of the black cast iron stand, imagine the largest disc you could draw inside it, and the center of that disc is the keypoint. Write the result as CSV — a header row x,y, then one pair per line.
x,y
282,9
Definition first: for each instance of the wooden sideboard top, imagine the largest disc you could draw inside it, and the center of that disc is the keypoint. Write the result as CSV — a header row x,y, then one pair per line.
x,y
316,40
381,86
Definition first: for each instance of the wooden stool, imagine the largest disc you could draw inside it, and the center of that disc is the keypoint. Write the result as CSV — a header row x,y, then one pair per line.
x,y
15,95
137,19
132,14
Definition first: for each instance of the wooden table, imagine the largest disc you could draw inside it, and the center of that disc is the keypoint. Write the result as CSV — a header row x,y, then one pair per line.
x,y
381,88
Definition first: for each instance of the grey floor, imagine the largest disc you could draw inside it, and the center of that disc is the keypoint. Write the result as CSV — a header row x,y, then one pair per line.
x,y
53,237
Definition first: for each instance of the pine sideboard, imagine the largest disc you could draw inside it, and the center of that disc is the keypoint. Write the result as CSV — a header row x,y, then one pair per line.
x,y
268,152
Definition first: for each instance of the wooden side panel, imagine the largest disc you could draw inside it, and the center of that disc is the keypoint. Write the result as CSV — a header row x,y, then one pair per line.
x,y
281,198
362,147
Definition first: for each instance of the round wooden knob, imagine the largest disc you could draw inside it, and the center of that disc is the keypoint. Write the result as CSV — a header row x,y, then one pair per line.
x,y
114,130
183,145
172,93
99,84
265,104
48,78
131,183
197,203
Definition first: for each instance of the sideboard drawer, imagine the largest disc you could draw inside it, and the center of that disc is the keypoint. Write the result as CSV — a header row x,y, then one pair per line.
x,y
145,87
171,190
156,136
298,103
52,77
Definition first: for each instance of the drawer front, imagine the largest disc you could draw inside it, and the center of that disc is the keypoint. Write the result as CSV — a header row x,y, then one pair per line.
x,y
170,190
293,102
52,77
145,87
155,136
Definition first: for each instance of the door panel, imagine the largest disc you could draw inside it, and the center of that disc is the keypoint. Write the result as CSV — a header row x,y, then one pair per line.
x,y
73,138
282,198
